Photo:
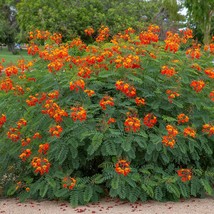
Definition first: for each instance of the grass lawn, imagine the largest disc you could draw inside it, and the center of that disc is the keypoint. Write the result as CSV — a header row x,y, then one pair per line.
x,y
10,58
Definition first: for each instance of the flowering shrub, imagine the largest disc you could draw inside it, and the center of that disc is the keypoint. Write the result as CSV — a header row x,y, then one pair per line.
x,y
131,118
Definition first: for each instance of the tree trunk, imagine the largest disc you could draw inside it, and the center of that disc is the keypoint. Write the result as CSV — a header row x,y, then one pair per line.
x,y
207,28
11,47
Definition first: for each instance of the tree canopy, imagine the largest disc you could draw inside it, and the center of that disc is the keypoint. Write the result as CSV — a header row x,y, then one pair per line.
x,y
202,13
71,17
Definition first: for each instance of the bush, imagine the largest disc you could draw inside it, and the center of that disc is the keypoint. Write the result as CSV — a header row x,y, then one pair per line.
x,y
131,118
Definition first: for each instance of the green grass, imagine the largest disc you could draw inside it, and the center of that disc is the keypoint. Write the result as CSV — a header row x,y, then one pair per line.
x,y
10,58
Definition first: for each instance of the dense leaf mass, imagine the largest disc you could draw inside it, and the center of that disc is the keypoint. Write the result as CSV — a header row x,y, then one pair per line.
x,y
130,118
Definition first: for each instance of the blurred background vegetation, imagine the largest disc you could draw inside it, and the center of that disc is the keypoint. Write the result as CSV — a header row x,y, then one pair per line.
x,y
71,17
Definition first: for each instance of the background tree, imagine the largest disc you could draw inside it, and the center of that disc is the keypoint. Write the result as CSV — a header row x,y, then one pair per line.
x,y
202,14
8,25
71,17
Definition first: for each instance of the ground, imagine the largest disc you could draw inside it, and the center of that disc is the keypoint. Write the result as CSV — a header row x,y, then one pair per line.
x,y
107,206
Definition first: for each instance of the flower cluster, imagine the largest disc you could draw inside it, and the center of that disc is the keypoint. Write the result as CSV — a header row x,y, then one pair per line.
x,y
188,131
3,120
185,174
38,98
84,72
54,111
6,85
89,92
169,72
197,85
106,100
172,42
129,91
122,167
111,120
209,129
56,37
78,113
43,148
209,72
169,139
149,36
172,95
41,165
26,141
150,120
211,95
89,31
194,52
182,118
140,101
14,133
38,34
25,154
132,124
68,183
103,34
37,135
77,85
196,67
55,130
12,70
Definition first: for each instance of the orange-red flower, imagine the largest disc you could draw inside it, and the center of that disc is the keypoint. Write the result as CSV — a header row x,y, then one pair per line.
x,y
209,72
122,167
12,70
194,51
209,129
103,34
41,165
6,85
172,131
26,141
132,124
140,101
89,92
150,120
84,72
43,148
3,120
106,100
185,174
68,183
172,95
188,131
196,66
77,85
168,140
182,118
53,94
128,90
14,134
211,95
55,130
78,113
37,135
172,42
111,120
89,31
149,36
197,85
54,111
25,154
21,122
169,72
